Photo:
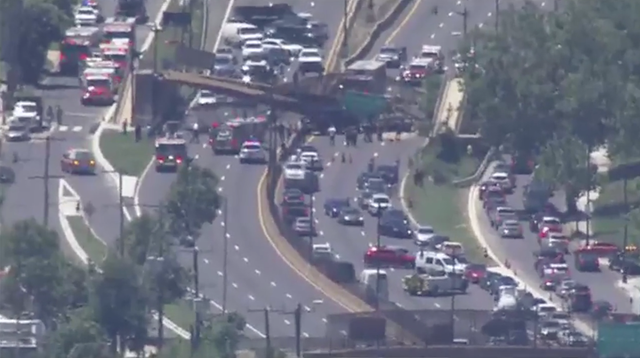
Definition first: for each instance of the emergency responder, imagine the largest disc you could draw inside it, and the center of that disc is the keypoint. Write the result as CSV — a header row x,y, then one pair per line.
x,y
59,114
332,134
379,132
195,133
371,166
50,115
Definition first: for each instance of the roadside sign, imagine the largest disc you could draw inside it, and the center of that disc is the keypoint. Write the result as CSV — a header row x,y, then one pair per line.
x,y
364,105
618,339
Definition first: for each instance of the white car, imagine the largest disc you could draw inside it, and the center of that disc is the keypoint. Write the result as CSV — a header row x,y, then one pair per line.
x,y
25,109
252,152
295,170
86,16
206,97
294,49
378,203
252,47
502,179
310,55
424,235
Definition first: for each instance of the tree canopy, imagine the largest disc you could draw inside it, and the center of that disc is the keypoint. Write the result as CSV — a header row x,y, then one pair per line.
x,y
557,85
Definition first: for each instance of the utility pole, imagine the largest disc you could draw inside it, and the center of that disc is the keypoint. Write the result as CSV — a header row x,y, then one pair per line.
x,y
154,88
121,212
196,293
133,54
626,226
465,14
453,315
297,320
588,207
225,257
312,227
378,216
46,177
160,284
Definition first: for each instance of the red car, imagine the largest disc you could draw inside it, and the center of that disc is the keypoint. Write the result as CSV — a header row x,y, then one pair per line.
x,y
475,272
601,249
389,256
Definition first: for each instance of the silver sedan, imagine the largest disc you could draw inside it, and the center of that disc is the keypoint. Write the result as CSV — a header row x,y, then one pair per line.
x,y
510,229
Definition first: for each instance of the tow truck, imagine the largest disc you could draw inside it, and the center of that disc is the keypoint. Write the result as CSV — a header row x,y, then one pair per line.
x,y
434,283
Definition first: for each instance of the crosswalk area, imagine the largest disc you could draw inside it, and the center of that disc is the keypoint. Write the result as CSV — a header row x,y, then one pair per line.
x,y
68,128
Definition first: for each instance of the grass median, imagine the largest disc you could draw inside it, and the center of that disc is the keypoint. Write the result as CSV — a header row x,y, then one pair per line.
x,y
124,153
94,247
435,201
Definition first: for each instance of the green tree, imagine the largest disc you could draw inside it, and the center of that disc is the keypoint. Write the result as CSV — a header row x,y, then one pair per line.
x,y
120,303
193,200
28,240
141,238
80,329
565,161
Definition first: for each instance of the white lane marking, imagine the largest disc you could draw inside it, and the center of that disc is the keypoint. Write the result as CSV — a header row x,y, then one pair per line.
x,y
480,25
63,128
222,178
450,14
375,155
321,233
273,284
437,304
245,259
228,236
324,320
196,156
77,128
236,247
433,36
204,146
288,295
489,14
228,166
305,334
441,25
222,223
307,308
287,322
235,285
251,298
205,261
257,271
220,189
219,273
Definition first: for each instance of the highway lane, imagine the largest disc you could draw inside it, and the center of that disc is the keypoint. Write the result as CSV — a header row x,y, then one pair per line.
x,y
520,254
339,181
258,275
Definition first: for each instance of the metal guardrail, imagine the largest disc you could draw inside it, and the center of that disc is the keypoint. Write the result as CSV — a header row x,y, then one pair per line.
x,y
468,181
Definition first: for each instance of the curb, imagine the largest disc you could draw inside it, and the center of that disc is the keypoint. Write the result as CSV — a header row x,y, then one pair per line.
x,y
477,232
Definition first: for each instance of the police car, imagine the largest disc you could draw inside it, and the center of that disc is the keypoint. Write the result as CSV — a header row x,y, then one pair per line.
x,y
252,152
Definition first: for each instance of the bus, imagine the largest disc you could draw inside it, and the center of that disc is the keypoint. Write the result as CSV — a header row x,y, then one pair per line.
x,y
368,76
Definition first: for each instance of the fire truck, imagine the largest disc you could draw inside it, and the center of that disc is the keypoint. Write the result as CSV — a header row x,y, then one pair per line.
x,y
98,90
119,31
108,68
116,53
228,138
76,47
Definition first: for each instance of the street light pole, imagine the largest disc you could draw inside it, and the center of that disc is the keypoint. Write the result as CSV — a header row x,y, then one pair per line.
x,y
345,30
121,213
225,257
626,227
378,215
497,15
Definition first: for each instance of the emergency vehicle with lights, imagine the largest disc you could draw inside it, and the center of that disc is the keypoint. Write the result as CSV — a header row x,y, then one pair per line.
x,y
551,274
117,53
119,31
170,152
417,71
99,89
433,54
105,67
76,47
252,152
426,261
229,137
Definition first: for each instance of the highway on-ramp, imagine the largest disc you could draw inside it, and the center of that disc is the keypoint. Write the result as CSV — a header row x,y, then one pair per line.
x,y
256,276
520,253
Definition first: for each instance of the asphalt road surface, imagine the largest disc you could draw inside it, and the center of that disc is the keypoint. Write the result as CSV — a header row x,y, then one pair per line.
x,y
256,275
520,254
26,196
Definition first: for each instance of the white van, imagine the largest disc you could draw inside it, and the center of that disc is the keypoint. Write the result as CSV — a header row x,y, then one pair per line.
x,y
428,261
237,33
452,248
368,278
